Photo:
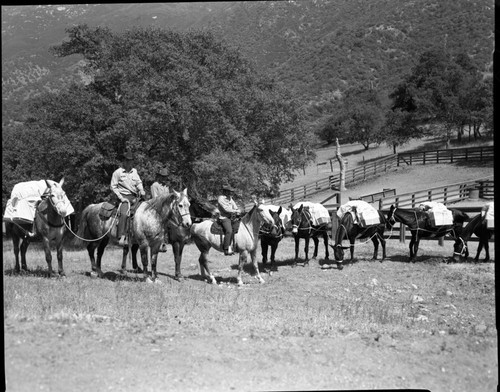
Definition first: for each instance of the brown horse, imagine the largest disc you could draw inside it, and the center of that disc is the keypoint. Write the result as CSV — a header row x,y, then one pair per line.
x,y
153,221
48,224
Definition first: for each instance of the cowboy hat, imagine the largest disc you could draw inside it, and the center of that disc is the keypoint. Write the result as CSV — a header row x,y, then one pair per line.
x,y
128,156
227,187
163,172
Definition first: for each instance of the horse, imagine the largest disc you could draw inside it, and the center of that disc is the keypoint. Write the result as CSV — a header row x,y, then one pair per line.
x,y
420,226
48,223
152,222
270,237
350,230
302,227
202,209
245,240
478,227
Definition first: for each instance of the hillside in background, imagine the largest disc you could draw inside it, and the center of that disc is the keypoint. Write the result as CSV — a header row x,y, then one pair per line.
x,y
316,48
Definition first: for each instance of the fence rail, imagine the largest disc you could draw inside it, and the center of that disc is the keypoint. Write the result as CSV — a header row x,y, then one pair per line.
x,y
383,165
453,155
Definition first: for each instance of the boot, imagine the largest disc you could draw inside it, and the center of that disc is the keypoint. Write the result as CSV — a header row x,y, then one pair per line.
x,y
123,241
229,251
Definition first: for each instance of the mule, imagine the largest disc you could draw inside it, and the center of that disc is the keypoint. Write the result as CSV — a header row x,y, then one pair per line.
x,y
245,240
270,237
152,222
302,227
478,227
420,226
48,223
350,230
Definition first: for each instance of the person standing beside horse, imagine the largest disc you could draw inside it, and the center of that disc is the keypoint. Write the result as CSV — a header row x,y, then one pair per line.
x,y
229,211
161,187
127,186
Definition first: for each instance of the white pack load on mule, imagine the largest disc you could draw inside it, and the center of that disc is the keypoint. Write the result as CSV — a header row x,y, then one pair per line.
x,y
24,198
439,214
488,213
319,213
363,213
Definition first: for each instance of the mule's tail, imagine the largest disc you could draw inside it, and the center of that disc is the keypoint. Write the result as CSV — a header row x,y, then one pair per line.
x,y
82,227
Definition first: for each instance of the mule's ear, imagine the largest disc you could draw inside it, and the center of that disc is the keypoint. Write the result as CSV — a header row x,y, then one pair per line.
x,y
48,183
185,191
301,207
61,182
279,210
176,194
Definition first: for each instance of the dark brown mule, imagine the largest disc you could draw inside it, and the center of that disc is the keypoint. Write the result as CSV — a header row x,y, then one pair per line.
x,y
478,227
49,225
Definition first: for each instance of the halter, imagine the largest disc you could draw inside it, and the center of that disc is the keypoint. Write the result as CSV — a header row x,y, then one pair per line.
x,y
279,228
309,228
464,248
49,196
180,215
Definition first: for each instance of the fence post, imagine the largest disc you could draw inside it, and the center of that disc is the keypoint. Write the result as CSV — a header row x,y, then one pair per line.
x,y
441,241
429,195
424,158
445,195
292,195
437,156
402,233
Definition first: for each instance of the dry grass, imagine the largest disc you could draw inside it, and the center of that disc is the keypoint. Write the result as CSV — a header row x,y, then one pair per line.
x,y
364,297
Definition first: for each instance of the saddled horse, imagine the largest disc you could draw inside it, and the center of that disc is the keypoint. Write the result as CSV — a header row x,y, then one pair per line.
x,y
478,227
48,224
245,241
420,225
350,230
302,227
150,224
270,237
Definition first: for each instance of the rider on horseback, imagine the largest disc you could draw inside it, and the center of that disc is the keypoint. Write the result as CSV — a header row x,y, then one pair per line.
x,y
127,186
229,212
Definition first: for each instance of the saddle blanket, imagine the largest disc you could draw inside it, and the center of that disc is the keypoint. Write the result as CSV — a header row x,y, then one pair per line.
x,y
363,213
319,213
439,214
488,213
23,201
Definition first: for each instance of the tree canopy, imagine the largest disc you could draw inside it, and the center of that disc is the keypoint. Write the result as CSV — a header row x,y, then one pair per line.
x,y
185,101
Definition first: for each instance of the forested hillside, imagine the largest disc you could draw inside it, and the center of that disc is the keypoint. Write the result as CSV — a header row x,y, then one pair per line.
x,y
316,48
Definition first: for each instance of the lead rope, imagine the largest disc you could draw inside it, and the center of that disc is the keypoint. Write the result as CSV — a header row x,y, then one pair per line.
x,y
105,234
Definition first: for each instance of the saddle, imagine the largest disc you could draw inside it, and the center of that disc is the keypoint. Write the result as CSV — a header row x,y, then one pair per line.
x,y
107,209
216,227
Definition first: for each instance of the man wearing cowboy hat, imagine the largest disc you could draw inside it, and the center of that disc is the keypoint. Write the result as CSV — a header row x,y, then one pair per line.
x,y
127,186
160,186
228,209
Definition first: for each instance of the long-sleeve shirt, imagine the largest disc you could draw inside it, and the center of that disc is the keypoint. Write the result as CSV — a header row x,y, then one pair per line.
x,y
158,189
125,183
227,206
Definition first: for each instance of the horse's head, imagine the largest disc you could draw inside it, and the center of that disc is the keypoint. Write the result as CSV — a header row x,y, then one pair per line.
x,y
275,229
180,208
57,197
391,220
460,249
203,209
338,251
297,218
263,213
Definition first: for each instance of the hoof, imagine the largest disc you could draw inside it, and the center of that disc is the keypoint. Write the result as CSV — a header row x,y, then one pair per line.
x,y
62,274
340,266
179,278
137,270
158,281
149,280
94,274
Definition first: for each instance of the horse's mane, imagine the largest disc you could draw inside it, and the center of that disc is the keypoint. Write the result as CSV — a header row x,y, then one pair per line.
x,y
157,203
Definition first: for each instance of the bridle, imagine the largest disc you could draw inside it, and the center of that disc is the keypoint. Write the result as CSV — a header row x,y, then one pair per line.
x,y
60,199
267,228
180,216
464,248
298,220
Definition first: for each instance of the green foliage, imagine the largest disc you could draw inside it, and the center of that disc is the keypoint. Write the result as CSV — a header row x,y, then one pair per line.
x,y
183,100
445,90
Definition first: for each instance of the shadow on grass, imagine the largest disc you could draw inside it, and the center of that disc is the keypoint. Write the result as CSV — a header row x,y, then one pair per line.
x,y
37,273
129,276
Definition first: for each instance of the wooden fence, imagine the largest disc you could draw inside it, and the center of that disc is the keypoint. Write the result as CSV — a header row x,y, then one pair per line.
x,y
384,165
453,155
